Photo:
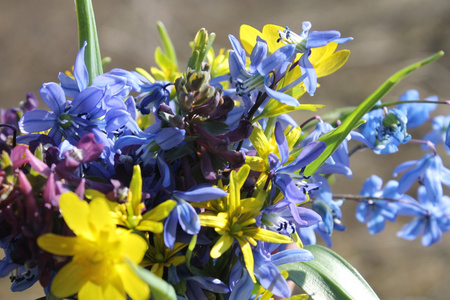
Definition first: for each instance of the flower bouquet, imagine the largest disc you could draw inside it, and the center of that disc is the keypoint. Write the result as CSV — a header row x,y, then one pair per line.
x,y
194,182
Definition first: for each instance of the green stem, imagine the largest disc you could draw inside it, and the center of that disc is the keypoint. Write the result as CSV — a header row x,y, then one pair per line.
x,y
87,32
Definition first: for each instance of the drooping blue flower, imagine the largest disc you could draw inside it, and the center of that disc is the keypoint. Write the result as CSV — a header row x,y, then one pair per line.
x,y
429,171
417,113
260,74
306,41
439,133
184,214
375,212
153,94
385,129
431,218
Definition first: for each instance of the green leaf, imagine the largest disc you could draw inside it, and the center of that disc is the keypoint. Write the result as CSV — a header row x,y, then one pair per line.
x,y
159,288
329,276
169,49
335,137
87,31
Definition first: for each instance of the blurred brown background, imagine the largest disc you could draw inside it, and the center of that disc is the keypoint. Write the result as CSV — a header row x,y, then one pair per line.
x,y
38,38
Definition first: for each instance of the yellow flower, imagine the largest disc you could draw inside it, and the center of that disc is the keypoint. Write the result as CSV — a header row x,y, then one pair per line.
x,y
102,253
238,223
129,214
160,257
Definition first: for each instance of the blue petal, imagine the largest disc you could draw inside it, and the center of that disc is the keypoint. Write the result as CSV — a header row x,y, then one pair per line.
x,y
238,49
210,284
188,218
309,153
37,120
243,289
321,38
169,137
412,230
283,147
69,85
170,229
307,68
291,255
86,100
432,233
271,279
276,59
259,52
80,71
372,185
282,97
53,95
200,193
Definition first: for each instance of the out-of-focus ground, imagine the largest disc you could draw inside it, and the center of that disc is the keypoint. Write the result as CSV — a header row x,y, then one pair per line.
x,y
39,38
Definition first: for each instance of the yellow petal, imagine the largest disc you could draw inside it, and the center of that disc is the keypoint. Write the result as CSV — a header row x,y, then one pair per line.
x,y
213,221
100,217
320,53
271,35
246,249
177,260
76,213
260,142
56,244
248,36
134,286
68,281
266,235
135,192
221,246
161,211
92,291
332,63
256,163
135,246
151,226
242,175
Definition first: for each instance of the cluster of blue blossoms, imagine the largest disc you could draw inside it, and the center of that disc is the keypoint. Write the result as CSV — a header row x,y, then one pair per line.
x,y
190,134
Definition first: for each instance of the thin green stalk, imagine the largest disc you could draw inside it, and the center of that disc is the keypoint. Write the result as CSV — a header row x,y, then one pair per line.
x,y
87,32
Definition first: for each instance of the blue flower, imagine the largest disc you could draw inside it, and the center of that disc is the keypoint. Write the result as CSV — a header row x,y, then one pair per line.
x,y
185,214
439,133
306,41
68,119
285,176
385,129
259,76
431,218
153,94
375,212
417,113
429,171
